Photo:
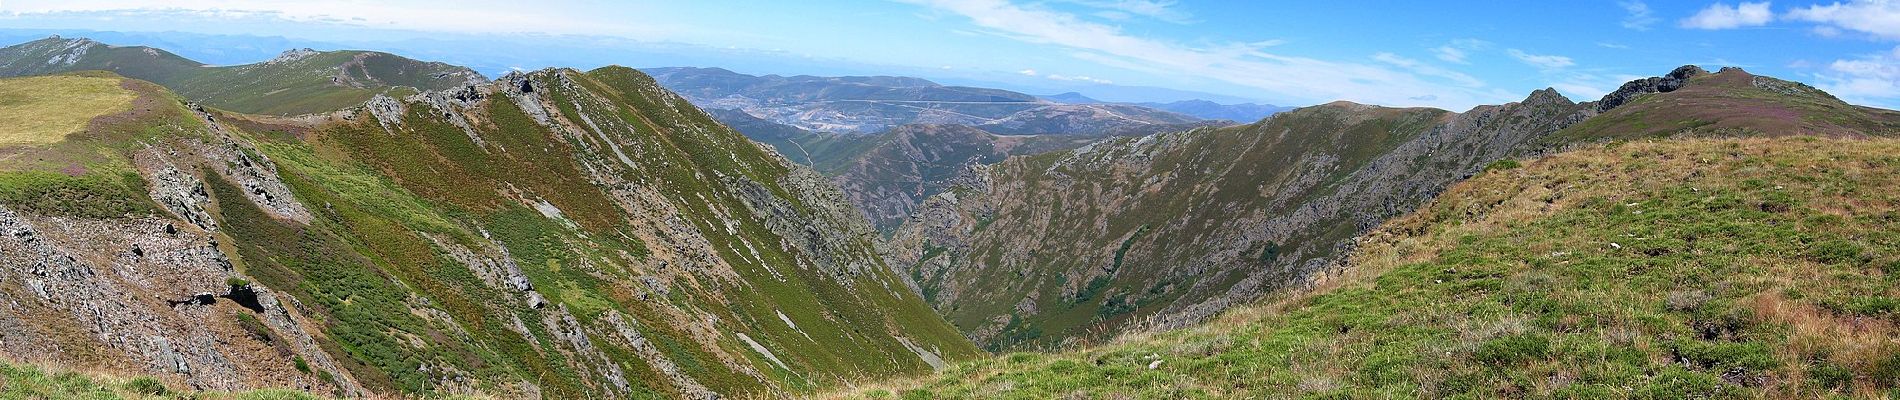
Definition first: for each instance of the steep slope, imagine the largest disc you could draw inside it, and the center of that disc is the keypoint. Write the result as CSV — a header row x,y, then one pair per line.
x,y
866,104
907,164
1733,268
556,234
1170,229
887,174
301,81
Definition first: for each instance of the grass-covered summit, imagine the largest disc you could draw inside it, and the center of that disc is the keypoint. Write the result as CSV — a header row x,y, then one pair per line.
x,y
1731,268
300,81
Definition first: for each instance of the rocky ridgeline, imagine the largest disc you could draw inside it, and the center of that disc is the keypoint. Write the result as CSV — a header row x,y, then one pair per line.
x,y
1167,230
661,254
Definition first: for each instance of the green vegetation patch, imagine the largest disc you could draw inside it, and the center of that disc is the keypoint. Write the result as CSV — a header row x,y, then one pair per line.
x,y
44,109
95,195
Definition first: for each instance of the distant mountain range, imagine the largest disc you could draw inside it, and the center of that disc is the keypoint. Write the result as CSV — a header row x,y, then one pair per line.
x,y
868,104
1242,112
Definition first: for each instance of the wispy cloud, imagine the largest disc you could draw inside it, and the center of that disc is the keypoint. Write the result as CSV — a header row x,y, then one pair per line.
x,y
1544,62
1296,78
1871,79
1422,68
1640,16
481,16
1609,45
1875,17
1724,16
1457,50
1164,10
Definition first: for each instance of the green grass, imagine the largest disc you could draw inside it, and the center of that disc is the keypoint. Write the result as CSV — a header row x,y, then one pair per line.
x,y
1688,269
44,109
26,381
96,195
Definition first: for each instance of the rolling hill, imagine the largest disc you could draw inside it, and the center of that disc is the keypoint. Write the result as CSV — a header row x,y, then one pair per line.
x,y
300,81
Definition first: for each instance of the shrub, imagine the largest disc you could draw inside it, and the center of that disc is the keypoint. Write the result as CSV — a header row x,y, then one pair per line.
x,y
1513,349
1678,383
89,196
1726,356
1886,372
146,385
1502,165
1831,376
1835,251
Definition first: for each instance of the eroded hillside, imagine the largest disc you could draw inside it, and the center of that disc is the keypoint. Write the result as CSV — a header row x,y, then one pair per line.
x,y
555,234
1167,230
1699,268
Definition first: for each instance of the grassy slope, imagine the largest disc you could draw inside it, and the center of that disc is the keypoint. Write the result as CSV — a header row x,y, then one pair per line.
x,y
25,381
45,109
368,255
1734,102
297,87
1253,157
1718,268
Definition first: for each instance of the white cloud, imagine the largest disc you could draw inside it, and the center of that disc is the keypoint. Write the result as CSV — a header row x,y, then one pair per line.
x,y
1545,62
1450,54
1079,79
1588,86
1609,45
1640,16
1426,69
482,16
1876,17
1457,50
1163,10
1724,16
1872,79
1295,78
1030,72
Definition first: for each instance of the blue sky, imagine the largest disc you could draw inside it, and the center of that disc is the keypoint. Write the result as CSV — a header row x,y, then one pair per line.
x,y
1445,54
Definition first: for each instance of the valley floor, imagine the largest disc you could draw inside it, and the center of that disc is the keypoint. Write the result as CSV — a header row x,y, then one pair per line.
x,y
1735,268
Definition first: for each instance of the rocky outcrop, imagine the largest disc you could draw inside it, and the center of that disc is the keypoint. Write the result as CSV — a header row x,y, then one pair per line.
x,y
106,293
1655,84
234,159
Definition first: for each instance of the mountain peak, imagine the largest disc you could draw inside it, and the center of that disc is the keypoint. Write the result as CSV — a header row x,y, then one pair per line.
x,y
1655,84
293,55
1547,96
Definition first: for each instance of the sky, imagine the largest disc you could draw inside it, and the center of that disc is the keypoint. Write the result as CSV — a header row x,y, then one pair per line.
x,y
1451,55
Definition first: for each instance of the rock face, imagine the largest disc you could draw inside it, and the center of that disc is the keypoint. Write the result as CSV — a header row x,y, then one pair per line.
x,y
1654,84
557,234
1166,230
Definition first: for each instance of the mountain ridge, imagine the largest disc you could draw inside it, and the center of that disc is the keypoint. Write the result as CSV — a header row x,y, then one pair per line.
x,y
1164,231
298,81
554,233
